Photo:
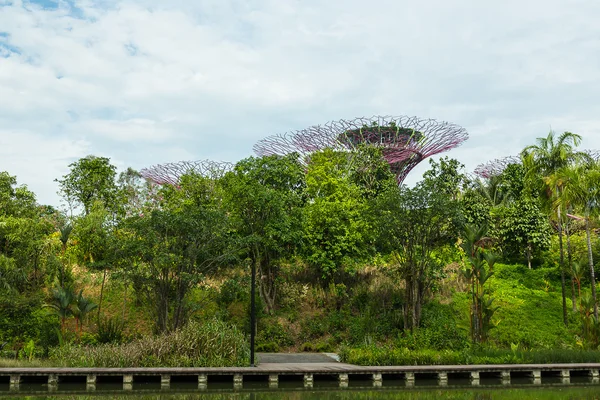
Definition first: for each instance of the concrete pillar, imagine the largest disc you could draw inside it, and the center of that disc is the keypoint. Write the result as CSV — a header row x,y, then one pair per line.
x,y
537,376
238,381
595,375
90,382
273,381
308,380
505,377
475,378
52,382
565,376
15,382
202,381
127,382
409,378
165,381
442,378
343,378
377,380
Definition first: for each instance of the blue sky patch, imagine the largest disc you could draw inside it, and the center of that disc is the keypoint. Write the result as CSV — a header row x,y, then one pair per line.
x,y
131,49
45,4
7,49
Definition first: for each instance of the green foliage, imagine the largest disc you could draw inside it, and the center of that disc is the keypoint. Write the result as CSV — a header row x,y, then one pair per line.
x,y
385,355
22,318
524,306
539,279
169,250
337,229
439,330
272,336
110,330
209,344
264,197
25,250
90,179
478,270
235,289
413,224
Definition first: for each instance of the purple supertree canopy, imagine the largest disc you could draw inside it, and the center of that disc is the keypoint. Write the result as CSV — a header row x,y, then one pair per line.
x,y
495,167
170,173
405,141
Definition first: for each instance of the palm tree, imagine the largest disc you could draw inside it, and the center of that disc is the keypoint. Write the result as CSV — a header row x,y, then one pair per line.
x,y
62,301
542,161
479,268
581,186
82,307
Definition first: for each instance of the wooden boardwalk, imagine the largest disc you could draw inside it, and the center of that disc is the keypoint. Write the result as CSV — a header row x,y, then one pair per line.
x,y
306,373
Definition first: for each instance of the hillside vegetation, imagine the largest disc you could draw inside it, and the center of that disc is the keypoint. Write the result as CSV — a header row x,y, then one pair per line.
x,y
457,269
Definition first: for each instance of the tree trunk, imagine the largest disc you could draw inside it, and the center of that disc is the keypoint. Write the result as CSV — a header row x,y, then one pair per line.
x,y
101,294
409,302
562,267
591,264
266,286
529,255
570,261
124,302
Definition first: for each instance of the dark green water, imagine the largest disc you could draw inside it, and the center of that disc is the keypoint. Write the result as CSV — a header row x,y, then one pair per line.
x,y
525,393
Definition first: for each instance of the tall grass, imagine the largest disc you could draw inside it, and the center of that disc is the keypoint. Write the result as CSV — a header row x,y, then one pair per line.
x,y
208,344
382,355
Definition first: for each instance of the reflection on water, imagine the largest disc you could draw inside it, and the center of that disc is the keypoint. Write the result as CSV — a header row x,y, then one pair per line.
x,y
148,392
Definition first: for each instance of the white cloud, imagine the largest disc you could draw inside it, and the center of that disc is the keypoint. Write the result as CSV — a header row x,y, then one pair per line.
x,y
150,81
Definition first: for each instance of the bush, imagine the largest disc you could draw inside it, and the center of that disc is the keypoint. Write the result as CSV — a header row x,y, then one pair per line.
x,y
110,330
438,331
22,318
272,335
321,346
210,344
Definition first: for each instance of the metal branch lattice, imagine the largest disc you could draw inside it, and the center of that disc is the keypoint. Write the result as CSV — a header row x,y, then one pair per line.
x,y
170,173
495,167
405,141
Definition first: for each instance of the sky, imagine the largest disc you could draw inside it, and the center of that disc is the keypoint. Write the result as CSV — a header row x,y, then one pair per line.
x,y
146,82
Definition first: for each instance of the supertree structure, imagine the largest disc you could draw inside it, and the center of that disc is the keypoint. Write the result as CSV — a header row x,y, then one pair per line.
x,y
495,167
405,141
170,173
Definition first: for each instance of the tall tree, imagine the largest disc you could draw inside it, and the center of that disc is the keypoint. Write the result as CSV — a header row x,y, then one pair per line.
x,y
581,188
90,179
520,224
337,228
24,231
413,223
174,245
265,198
542,161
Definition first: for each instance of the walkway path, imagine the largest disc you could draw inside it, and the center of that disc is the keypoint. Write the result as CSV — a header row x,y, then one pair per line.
x,y
297,358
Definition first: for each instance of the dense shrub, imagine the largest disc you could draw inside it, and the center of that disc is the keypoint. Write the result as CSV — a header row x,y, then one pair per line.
x,y
209,344
110,330
23,318
272,336
439,330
